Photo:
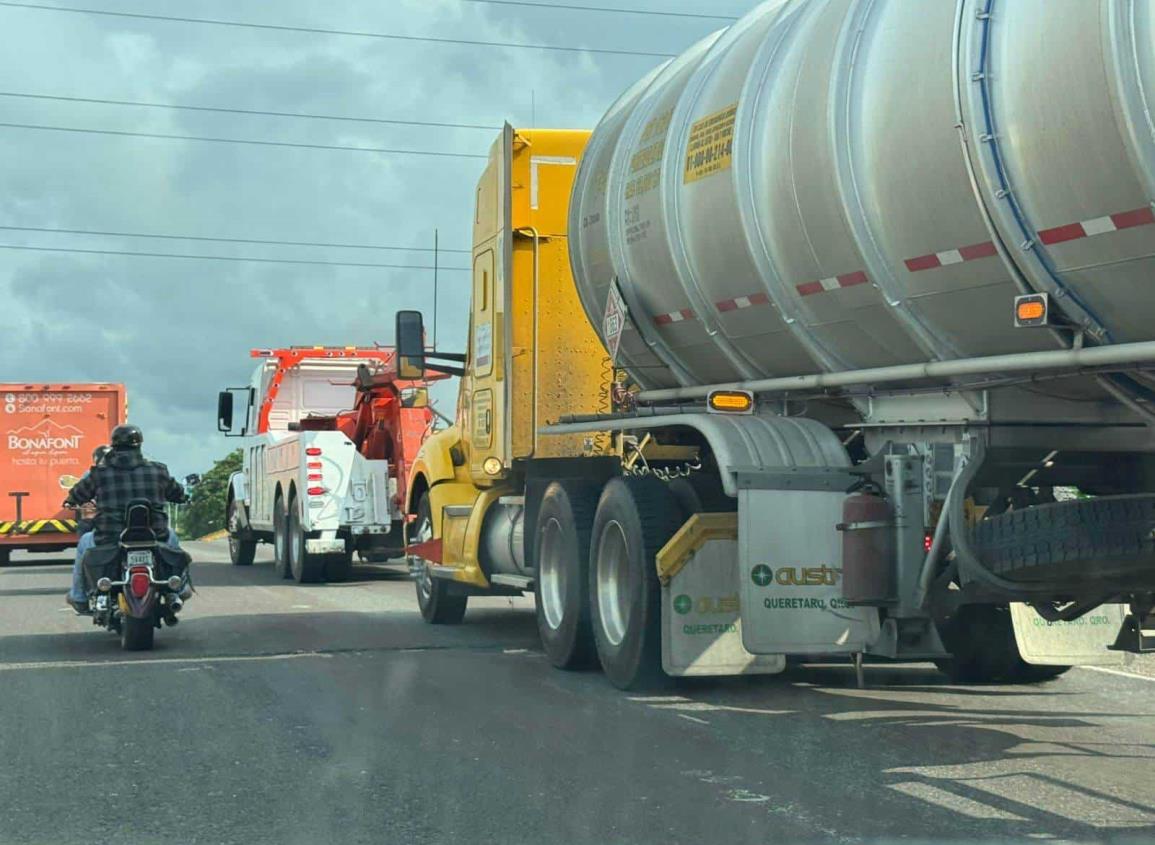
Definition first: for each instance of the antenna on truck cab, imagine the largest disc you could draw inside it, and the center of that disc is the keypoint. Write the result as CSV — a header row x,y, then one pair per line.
x,y
436,238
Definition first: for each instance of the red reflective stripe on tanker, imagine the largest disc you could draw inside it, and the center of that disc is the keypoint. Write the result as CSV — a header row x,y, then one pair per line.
x,y
741,302
846,280
1098,226
674,317
974,252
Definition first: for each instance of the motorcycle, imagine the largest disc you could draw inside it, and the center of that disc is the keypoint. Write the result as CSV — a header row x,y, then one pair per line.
x,y
134,586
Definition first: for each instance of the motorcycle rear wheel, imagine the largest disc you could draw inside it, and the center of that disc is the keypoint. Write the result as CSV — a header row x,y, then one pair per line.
x,y
136,634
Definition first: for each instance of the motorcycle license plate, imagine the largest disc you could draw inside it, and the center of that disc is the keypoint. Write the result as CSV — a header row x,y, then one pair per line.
x,y
140,558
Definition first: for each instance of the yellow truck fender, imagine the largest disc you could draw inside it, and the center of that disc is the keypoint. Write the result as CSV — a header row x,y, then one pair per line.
x,y
434,465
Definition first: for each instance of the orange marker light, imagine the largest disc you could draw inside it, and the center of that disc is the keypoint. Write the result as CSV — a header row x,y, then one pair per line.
x,y
731,402
1031,310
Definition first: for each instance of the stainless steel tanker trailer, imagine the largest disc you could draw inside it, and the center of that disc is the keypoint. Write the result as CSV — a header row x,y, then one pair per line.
x,y
878,280
867,362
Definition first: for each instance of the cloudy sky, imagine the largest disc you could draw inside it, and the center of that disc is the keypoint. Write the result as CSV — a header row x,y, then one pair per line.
x,y
175,331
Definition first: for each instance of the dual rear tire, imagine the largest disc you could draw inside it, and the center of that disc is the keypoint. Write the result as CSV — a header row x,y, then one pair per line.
x,y
291,556
597,587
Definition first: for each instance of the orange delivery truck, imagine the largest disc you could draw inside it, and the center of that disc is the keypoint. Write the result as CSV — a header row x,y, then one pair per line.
x,y
47,435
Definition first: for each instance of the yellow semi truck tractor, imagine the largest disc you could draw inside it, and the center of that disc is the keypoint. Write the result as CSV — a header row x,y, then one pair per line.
x,y
796,355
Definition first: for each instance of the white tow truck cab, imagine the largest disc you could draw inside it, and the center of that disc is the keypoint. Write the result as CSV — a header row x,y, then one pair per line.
x,y
324,438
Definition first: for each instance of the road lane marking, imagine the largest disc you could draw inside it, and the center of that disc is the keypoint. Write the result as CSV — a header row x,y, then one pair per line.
x,y
1108,671
950,801
689,718
159,661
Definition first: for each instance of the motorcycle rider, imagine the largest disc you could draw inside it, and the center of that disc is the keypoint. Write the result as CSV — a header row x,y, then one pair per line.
x,y
88,512
122,476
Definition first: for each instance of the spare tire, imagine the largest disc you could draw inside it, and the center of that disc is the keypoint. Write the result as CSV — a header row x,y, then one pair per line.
x,y
1109,536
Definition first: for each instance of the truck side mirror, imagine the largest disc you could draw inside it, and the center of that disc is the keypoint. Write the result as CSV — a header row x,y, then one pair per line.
x,y
409,339
225,411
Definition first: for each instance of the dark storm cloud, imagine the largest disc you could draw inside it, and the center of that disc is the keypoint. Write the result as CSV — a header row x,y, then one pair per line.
x,y
176,331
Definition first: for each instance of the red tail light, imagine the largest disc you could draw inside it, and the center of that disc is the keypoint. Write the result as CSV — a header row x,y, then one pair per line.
x,y
927,542
314,465
316,476
139,582
316,491
313,452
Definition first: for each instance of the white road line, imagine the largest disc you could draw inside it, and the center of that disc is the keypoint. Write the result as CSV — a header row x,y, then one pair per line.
x,y
692,719
158,661
1108,671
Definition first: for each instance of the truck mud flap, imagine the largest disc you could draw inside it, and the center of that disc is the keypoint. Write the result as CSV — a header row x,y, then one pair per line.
x,y
701,613
1083,642
791,575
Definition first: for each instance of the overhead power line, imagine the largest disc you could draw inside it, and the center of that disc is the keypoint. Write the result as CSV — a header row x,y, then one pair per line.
x,y
568,7
228,258
346,32
225,110
202,238
165,137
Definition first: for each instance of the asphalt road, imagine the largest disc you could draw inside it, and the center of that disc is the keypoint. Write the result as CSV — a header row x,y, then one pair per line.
x,y
283,714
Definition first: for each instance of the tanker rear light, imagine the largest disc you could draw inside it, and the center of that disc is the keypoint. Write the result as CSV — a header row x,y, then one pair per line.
x,y
1031,310
730,402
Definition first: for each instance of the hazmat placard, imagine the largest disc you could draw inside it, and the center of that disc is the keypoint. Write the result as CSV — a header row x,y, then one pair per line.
x,y
614,321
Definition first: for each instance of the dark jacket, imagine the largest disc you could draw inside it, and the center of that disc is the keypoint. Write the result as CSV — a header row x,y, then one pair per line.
x,y
123,476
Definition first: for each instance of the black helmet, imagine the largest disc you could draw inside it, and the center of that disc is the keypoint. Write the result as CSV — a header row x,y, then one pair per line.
x,y
98,454
127,437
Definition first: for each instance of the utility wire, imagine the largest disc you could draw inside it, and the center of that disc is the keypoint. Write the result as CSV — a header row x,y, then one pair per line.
x,y
345,32
223,110
227,258
609,10
157,135
170,237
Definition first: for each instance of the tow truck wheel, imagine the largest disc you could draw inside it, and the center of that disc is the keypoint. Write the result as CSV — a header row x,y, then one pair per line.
x,y
339,567
438,606
241,550
561,588
306,568
280,539
981,639
635,518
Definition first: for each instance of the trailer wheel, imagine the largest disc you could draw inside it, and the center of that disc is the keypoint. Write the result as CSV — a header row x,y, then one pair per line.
x,y
981,639
306,568
438,606
635,518
1063,540
241,549
281,538
561,588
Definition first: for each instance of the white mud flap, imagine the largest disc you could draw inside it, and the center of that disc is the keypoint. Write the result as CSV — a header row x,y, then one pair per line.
x,y
701,618
791,575
1080,643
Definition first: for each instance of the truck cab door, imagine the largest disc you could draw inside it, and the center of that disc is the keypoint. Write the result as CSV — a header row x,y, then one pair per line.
x,y
488,429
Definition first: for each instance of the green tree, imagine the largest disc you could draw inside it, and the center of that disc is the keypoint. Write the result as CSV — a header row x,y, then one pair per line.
x,y
205,512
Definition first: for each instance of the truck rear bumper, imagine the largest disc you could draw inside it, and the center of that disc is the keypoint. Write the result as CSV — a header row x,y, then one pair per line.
x,y
335,546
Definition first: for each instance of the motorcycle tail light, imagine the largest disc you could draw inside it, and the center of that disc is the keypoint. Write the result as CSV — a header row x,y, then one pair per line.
x,y
139,582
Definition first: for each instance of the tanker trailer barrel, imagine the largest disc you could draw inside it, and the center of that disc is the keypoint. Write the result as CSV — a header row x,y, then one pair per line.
x,y
778,200
1123,354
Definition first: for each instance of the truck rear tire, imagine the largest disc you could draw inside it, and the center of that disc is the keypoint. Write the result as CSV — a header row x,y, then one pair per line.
x,y
635,518
241,549
561,588
281,539
306,568
981,639
1064,540
5,557
438,605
